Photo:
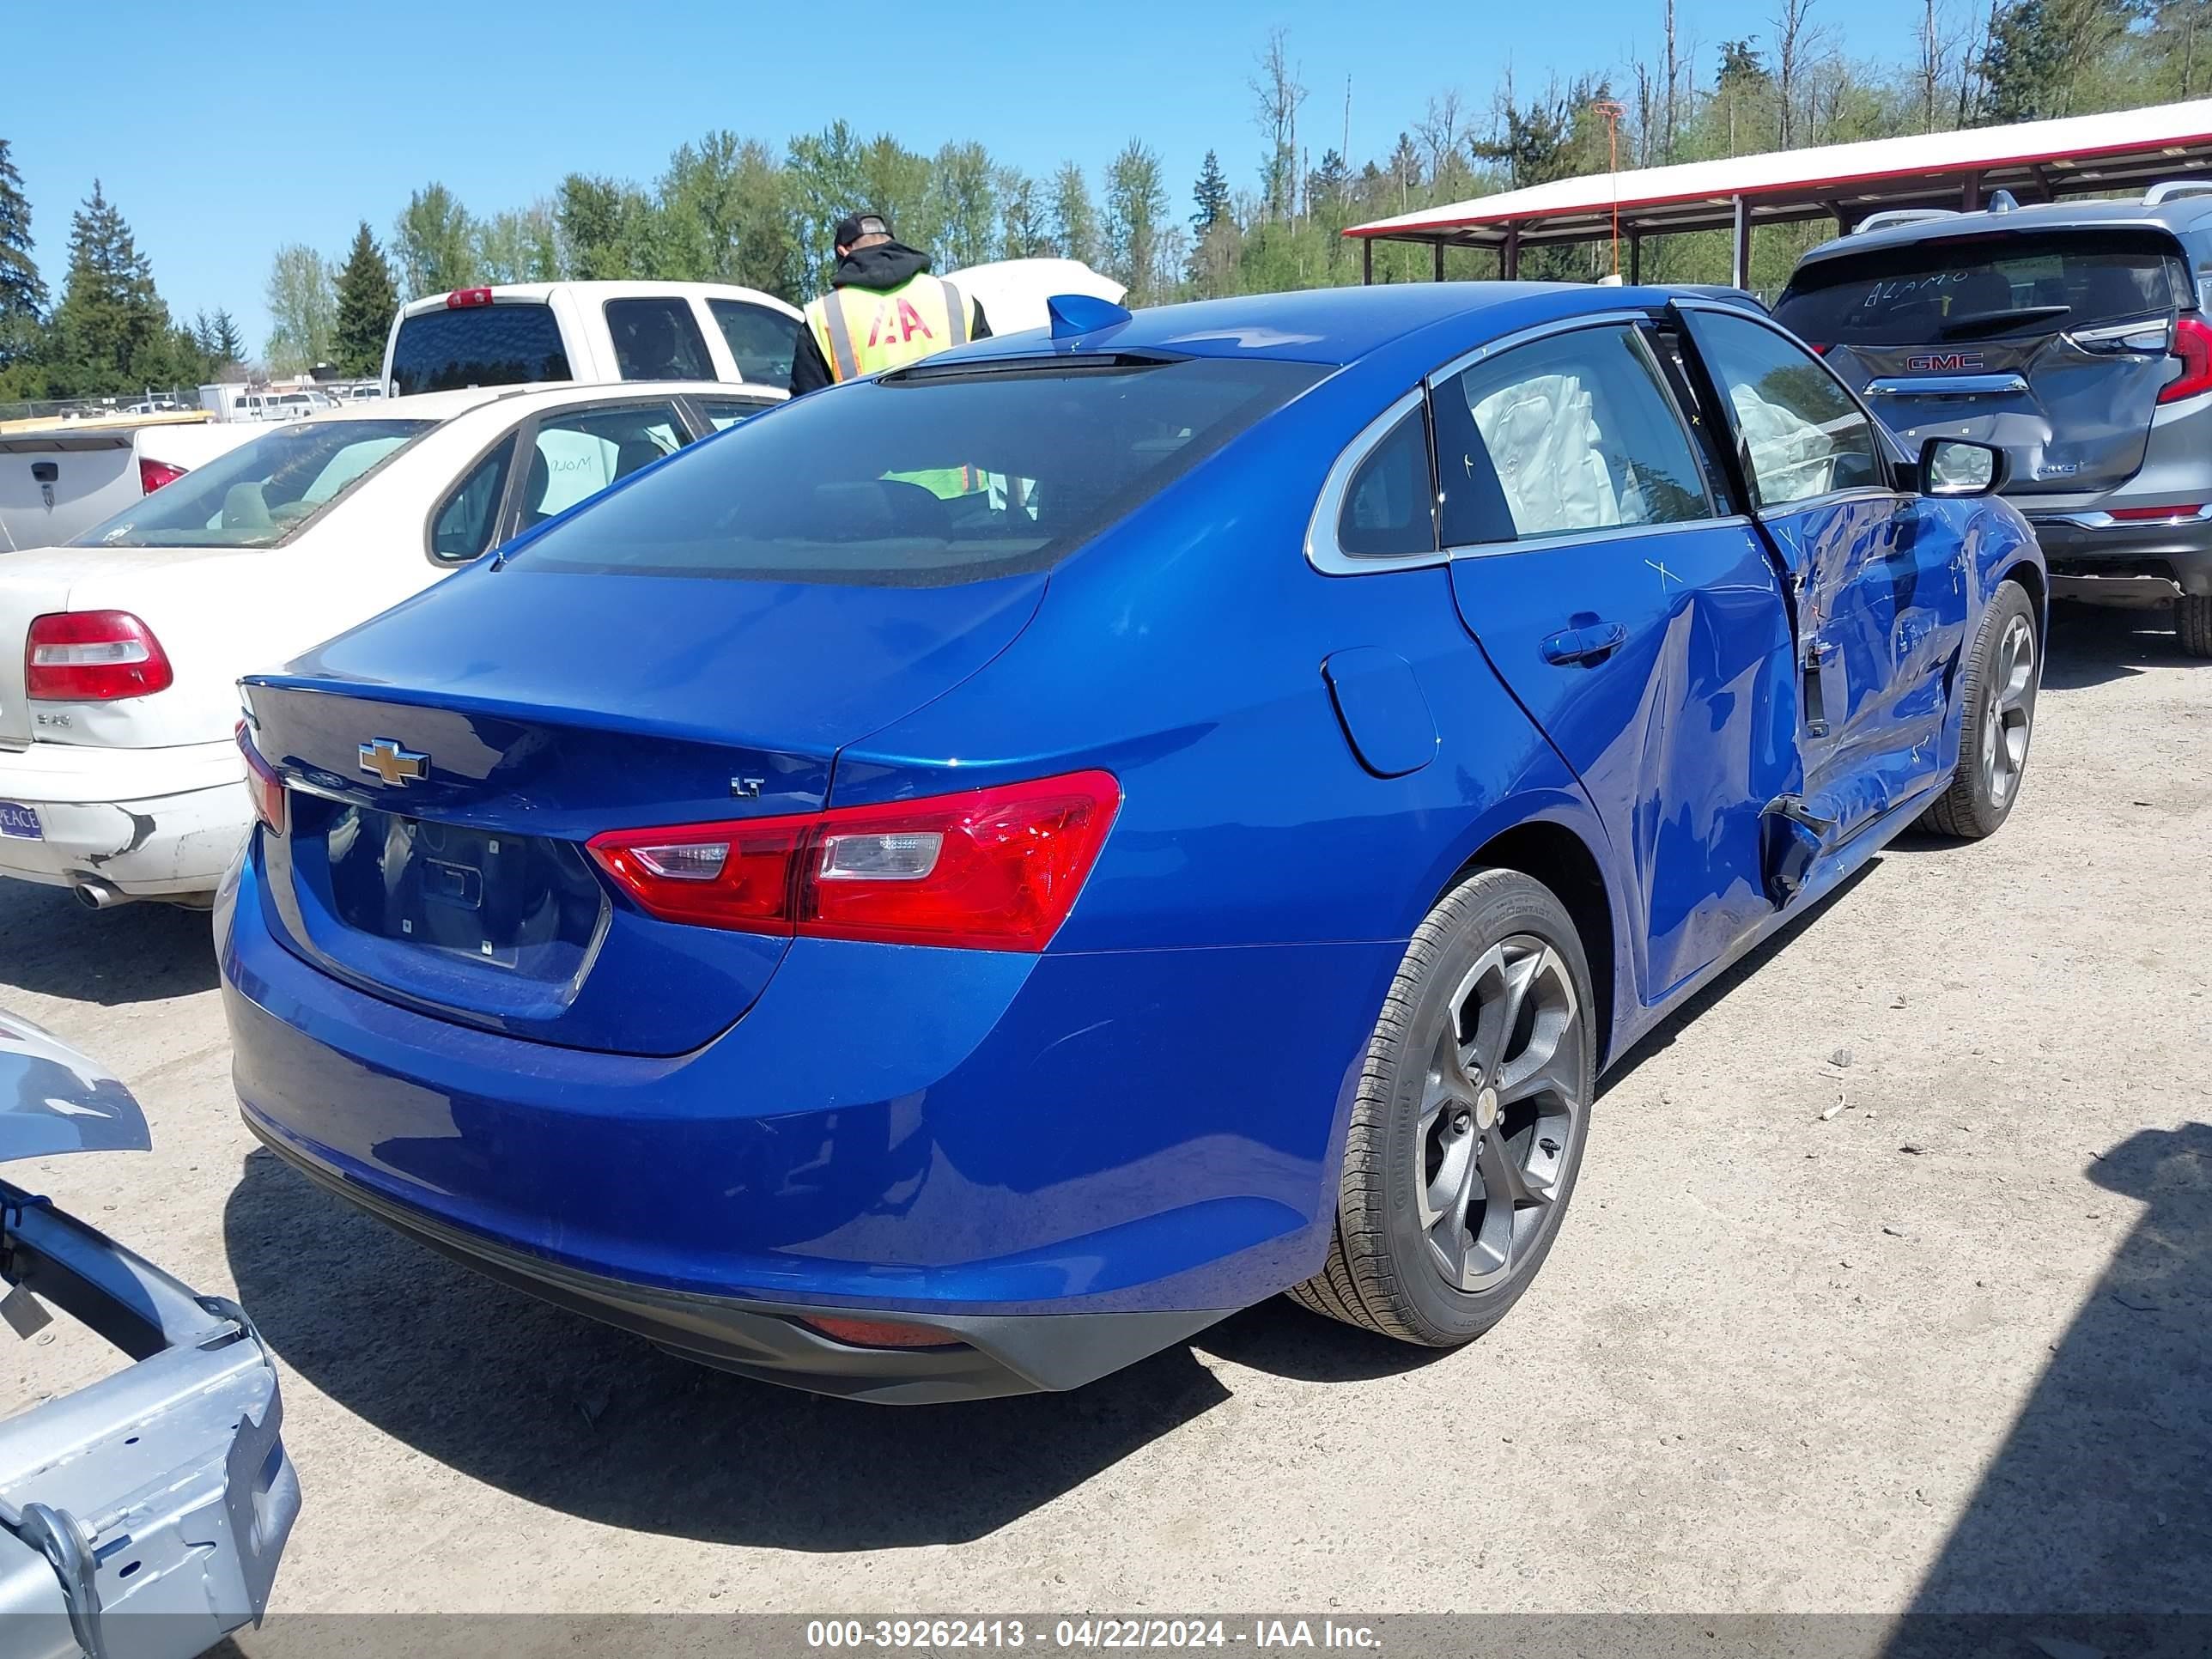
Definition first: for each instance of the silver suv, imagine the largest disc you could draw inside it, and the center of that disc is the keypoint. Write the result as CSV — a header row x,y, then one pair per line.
x,y
2072,336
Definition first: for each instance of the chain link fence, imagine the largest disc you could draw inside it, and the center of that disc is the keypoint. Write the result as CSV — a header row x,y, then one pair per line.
x,y
145,400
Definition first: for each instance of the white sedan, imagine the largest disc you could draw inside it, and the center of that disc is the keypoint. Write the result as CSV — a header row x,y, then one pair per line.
x,y
119,653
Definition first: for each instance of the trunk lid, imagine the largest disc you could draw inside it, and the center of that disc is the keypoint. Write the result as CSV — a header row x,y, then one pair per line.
x,y
510,714
2051,345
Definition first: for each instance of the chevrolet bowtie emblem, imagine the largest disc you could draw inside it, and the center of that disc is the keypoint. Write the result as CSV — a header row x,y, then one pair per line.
x,y
386,760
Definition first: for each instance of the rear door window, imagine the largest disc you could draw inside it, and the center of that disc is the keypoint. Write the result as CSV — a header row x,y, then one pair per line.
x,y
657,339
761,341
723,413
504,343
1983,289
580,453
928,476
1573,433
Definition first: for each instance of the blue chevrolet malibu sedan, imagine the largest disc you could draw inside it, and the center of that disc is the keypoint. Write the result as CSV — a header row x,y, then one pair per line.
x,y
971,877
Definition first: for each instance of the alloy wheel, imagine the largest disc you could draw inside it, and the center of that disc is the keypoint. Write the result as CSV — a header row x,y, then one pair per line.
x,y
2009,710
1501,1107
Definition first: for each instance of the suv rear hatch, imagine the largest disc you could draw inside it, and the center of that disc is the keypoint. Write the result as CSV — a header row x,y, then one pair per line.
x,y
454,879
2051,345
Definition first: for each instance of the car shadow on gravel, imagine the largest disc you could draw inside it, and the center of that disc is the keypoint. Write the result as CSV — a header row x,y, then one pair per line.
x,y
2091,644
580,1417
50,945
2100,1501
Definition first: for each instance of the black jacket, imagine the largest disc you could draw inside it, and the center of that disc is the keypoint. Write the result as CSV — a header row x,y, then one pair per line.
x,y
884,266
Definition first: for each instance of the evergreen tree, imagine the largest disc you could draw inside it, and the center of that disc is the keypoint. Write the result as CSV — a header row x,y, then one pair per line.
x,y
366,301
225,341
23,290
1211,195
111,332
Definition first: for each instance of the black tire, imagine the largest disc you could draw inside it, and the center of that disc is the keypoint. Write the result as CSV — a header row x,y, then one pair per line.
x,y
1983,790
1386,1272
2192,621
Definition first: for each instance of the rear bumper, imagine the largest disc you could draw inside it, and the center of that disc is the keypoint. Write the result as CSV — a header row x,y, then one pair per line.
x,y
154,824
154,1504
979,1142
2089,546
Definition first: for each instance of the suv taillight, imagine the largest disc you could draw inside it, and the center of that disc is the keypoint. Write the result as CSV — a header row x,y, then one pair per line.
x,y
93,656
2192,349
996,869
152,474
262,785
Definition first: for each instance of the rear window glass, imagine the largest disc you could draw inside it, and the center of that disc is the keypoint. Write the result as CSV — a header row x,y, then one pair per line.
x,y
477,345
924,478
1986,287
262,491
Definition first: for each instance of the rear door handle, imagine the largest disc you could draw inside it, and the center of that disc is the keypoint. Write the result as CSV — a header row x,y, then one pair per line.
x,y
1585,645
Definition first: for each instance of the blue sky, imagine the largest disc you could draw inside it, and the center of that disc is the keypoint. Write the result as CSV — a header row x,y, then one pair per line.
x,y
225,131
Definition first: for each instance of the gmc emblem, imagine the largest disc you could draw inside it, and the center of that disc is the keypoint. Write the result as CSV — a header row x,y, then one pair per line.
x,y
1942,363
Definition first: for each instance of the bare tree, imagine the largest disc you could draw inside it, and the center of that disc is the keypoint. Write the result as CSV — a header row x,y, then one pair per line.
x,y
1277,95
1798,40
1439,130
1673,86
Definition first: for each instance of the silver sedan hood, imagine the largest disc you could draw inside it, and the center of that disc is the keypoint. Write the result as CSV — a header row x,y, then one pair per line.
x,y
54,1100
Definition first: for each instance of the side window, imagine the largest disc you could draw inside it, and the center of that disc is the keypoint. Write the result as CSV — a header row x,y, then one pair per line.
x,y
657,339
761,340
1572,432
1387,511
582,452
1800,433
465,525
723,413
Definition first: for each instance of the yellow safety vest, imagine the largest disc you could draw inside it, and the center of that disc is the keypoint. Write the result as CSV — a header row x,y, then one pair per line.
x,y
866,330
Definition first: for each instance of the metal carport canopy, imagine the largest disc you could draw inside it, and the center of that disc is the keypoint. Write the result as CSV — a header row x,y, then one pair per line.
x,y
2035,160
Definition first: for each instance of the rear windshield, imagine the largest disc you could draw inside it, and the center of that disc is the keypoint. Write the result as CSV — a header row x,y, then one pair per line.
x,y
1984,287
262,491
923,479
502,344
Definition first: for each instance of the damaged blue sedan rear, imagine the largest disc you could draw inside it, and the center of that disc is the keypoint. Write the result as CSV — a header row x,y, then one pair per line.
x,y
970,876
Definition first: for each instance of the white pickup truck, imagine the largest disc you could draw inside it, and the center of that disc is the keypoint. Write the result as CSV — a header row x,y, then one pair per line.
x,y
55,481
524,333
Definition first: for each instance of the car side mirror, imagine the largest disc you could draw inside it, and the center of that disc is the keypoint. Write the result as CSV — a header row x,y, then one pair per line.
x,y
1959,466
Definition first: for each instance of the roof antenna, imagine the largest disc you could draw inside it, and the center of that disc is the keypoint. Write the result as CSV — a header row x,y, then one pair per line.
x,y
2003,201
1080,313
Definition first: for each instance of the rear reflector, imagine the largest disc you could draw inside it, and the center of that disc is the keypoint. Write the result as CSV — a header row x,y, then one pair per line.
x,y
261,784
2186,510
93,656
877,1333
152,474
2192,350
463,297
996,869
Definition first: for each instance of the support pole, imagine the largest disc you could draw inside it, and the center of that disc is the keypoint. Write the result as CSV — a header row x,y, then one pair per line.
x,y
1438,249
1366,261
1509,257
1970,194
1636,258
1740,275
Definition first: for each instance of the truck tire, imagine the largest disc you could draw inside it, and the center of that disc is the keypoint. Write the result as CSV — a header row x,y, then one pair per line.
x,y
1998,699
1468,1127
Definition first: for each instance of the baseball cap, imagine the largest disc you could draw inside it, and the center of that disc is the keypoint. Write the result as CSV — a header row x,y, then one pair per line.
x,y
854,225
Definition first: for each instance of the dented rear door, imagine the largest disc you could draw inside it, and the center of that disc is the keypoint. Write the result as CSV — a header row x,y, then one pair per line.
x,y
1642,626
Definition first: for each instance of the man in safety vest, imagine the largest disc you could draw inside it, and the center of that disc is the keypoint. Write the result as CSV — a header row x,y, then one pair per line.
x,y
883,310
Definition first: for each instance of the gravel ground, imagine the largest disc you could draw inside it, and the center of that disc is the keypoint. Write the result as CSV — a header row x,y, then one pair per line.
x,y
1948,1350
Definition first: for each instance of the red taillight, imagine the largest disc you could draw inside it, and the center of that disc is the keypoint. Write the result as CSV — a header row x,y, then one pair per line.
x,y
878,1334
152,474
262,785
2186,510
461,297
2192,350
93,656
997,869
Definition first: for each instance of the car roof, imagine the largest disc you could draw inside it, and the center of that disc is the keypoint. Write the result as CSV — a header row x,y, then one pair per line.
x,y
2181,214
525,293
528,399
1334,326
